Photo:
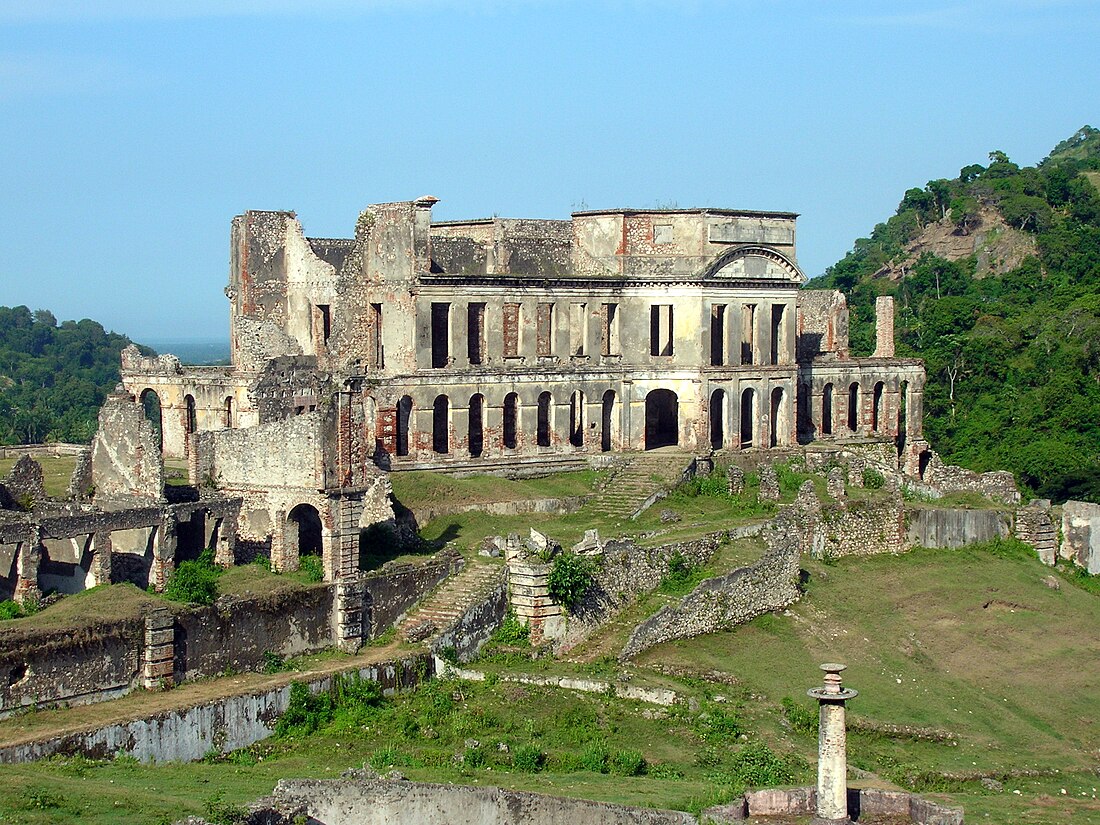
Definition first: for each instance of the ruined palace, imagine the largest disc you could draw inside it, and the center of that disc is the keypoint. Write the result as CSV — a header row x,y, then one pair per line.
x,y
503,345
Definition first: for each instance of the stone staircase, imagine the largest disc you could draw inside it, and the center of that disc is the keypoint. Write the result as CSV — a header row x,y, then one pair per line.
x,y
453,598
647,473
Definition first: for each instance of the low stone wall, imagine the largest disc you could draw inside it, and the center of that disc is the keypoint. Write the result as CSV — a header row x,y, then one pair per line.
x,y
188,734
862,802
39,450
952,528
382,802
999,485
723,602
861,528
556,506
389,593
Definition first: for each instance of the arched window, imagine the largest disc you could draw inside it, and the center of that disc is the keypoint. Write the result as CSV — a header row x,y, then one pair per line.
x,y
404,418
778,433
607,421
853,407
511,420
476,430
150,401
189,419
662,419
827,410
717,419
542,434
441,422
748,417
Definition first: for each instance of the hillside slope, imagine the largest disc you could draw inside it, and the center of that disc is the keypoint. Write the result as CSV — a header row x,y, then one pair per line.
x,y
996,274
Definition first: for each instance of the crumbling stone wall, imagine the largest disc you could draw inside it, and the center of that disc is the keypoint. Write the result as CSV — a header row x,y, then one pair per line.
x,y
726,601
126,459
25,485
1035,526
999,485
861,528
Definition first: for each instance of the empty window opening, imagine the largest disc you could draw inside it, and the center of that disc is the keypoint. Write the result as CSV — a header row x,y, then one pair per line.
x,y
544,329
748,332
475,333
441,415
476,425
903,424
321,321
510,323
511,420
923,460
542,432
150,402
777,332
660,329
190,420
404,418
717,419
609,320
578,329
303,530
662,419
876,407
827,410
228,419
748,416
576,419
853,407
377,352
607,421
441,335
717,335
778,432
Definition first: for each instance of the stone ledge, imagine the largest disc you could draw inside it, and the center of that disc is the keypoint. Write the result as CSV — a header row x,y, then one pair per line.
x,y
861,802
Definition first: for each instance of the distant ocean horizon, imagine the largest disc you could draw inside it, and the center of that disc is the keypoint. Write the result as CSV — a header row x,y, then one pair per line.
x,y
198,351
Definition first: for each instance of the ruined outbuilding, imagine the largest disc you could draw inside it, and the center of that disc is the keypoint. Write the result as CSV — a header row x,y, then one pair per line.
x,y
510,346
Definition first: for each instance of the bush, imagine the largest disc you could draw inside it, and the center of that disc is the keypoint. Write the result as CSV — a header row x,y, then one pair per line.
x,y
680,576
627,763
273,662
10,610
312,567
528,759
569,579
594,758
512,632
873,479
195,582
755,765
349,699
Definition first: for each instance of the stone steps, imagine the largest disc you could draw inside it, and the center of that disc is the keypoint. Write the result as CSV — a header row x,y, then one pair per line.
x,y
645,475
457,595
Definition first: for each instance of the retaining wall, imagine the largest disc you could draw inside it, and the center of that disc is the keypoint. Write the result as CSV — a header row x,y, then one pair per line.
x,y
949,528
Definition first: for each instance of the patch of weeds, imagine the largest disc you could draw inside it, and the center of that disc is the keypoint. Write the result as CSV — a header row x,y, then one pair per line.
x,y
219,812
757,766
11,610
40,799
682,576
594,758
801,718
311,568
606,665
873,479
627,763
1004,548
473,758
790,478
274,662
349,702
715,724
664,770
1079,576
528,759
195,581
263,561
385,637
390,757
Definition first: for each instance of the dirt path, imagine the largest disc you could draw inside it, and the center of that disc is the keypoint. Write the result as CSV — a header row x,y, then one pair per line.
x,y
47,724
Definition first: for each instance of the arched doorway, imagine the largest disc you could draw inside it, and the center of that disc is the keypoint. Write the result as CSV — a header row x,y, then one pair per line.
x,y
876,407
903,424
404,417
717,419
607,421
441,414
662,419
748,417
229,412
150,402
853,407
476,430
827,410
511,420
923,460
542,432
303,530
190,420
576,419
777,436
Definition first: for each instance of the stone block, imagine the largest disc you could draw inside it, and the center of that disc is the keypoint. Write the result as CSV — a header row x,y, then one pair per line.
x,y
925,812
790,802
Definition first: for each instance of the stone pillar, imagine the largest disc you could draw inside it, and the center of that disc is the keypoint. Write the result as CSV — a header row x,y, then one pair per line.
x,y
350,622
914,413
769,484
832,755
164,554
225,543
284,543
26,568
347,511
834,484
158,655
735,480
101,558
884,327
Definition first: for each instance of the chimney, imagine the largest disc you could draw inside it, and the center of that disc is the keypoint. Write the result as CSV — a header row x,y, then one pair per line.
x,y
884,327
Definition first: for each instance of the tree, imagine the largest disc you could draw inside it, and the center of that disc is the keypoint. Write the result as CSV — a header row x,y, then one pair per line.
x,y
966,212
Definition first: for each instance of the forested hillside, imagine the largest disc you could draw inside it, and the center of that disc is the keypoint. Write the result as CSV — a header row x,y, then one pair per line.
x,y
1013,354
53,378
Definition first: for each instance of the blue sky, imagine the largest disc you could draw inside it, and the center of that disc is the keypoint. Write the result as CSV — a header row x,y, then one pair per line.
x,y
131,131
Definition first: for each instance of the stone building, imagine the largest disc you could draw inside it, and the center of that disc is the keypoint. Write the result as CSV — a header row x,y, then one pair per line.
x,y
516,346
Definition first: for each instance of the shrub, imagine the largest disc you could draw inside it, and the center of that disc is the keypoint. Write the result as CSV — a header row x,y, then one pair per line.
x,y
755,765
569,579
801,718
594,758
312,567
219,812
873,479
10,610
528,759
194,581
680,575
627,763
512,632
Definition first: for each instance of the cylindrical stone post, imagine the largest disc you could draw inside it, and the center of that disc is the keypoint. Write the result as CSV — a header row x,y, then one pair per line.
x,y
832,756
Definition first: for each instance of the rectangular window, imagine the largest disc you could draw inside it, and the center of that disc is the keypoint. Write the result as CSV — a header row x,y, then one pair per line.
x,y
748,327
377,353
510,324
441,335
660,329
321,325
609,317
777,331
475,333
578,329
544,329
717,335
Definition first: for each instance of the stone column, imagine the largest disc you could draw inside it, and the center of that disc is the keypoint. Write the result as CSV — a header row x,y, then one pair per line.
x,y
164,553
351,623
29,556
884,327
101,557
832,758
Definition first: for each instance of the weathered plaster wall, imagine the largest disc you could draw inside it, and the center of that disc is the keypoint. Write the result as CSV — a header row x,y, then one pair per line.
x,y
1081,534
126,460
942,527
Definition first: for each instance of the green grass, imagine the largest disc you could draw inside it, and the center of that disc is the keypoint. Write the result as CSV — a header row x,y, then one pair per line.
x,y
419,490
56,472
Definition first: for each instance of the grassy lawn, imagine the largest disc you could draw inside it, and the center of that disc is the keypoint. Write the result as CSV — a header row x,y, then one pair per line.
x,y
56,472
